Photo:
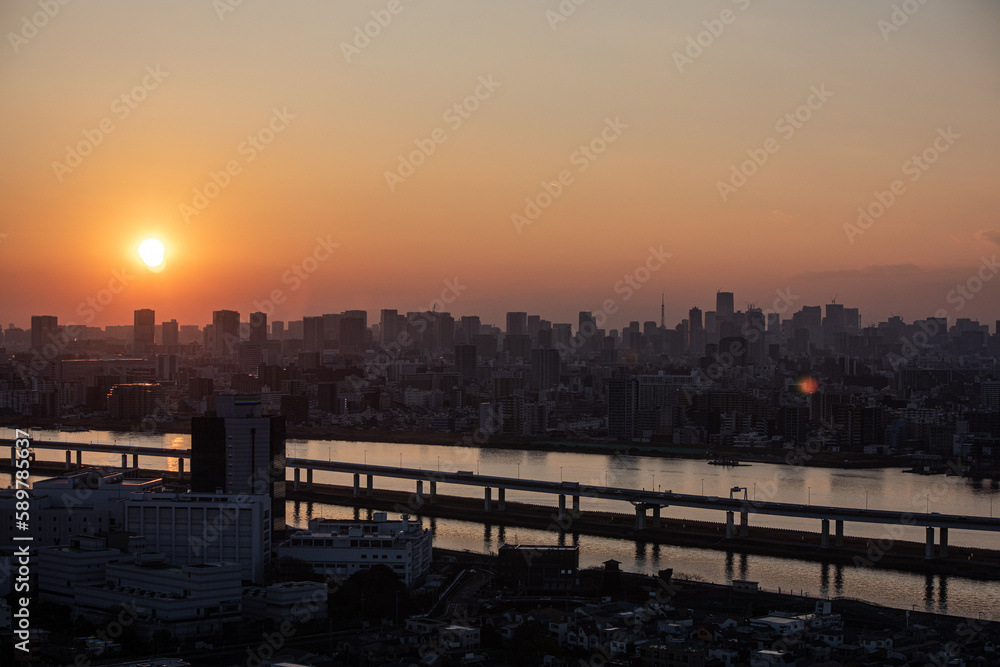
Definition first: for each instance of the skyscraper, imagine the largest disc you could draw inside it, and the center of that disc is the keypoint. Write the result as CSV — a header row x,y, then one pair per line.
x,y
226,326
313,334
240,451
43,329
387,326
517,324
258,329
544,369
724,308
144,328
171,335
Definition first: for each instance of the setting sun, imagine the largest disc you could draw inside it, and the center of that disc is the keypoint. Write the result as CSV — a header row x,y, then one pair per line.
x,y
151,251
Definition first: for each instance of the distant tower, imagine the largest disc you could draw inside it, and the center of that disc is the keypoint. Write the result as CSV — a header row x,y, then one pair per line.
x,y
663,322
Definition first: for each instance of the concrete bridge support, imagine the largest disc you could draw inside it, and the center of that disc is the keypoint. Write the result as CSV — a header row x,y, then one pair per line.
x,y
420,491
69,459
295,485
357,485
501,499
125,460
729,525
943,543
79,459
929,550
840,533
434,492
309,479
640,517
744,524
656,516
135,460
368,491
562,506
576,506
180,469
824,540
487,499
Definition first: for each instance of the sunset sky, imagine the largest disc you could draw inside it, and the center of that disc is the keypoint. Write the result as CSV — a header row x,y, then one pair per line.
x,y
184,86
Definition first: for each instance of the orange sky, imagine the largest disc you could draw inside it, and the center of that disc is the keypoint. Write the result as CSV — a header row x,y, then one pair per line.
x,y
199,82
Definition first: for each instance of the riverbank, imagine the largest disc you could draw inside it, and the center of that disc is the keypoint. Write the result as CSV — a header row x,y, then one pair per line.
x,y
900,555
841,460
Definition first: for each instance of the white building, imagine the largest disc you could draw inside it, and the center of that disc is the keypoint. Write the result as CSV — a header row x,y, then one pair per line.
x,y
341,548
189,601
81,502
192,528
81,563
293,601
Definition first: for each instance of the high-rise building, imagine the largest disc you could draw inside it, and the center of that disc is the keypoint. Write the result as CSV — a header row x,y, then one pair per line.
x,y
313,336
724,307
258,329
622,401
240,451
353,326
517,324
696,332
170,333
387,326
278,330
43,331
544,369
226,325
465,363
143,329
587,334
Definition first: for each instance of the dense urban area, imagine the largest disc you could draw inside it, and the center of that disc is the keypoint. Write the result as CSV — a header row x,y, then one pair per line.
x,y
205,569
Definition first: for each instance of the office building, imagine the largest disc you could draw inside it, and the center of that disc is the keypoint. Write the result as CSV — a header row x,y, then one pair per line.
x,y
724,306
226,327
189,601
313,334
545,369
388,326
143,329
341,548
170,335
191,528
238,450
258,330
517,324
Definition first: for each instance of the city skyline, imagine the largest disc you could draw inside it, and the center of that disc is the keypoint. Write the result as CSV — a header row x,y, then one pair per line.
x,y
866,172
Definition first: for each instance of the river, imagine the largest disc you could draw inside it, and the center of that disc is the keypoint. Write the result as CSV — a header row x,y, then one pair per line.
x,y
888,489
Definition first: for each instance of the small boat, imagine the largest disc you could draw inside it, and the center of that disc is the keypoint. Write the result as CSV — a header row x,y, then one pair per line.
x,y
732,463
